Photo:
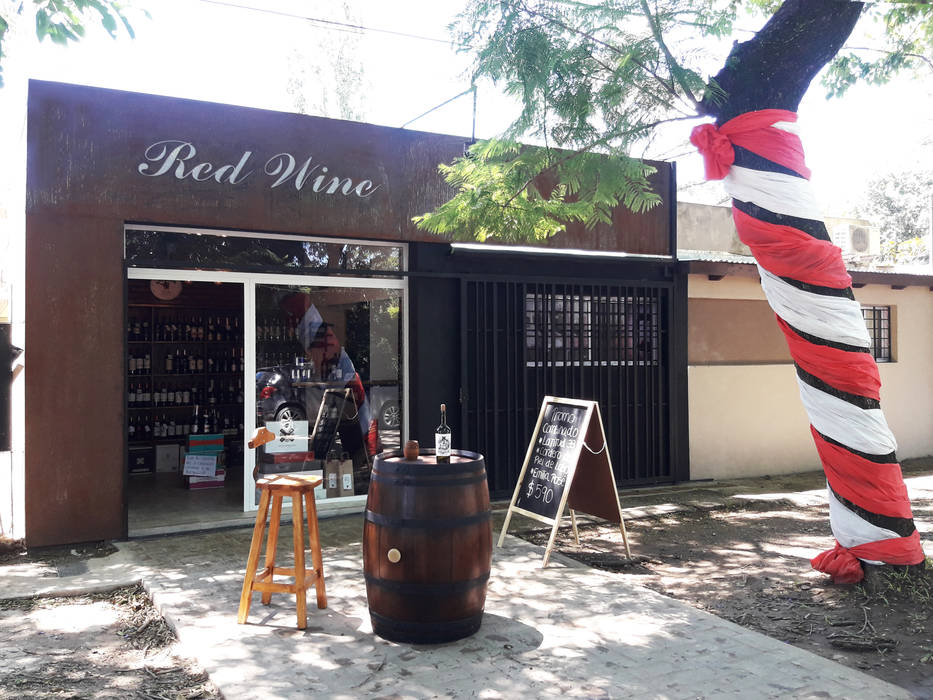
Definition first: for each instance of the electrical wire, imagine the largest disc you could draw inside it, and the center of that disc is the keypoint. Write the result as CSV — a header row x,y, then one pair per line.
x,y
356,29
337,26
470,89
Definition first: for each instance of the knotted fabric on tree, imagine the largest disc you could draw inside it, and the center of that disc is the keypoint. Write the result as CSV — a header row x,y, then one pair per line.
x,y
760,158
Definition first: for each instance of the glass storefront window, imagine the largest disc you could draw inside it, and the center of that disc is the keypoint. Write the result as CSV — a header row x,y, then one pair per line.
x,y
156,248
328,380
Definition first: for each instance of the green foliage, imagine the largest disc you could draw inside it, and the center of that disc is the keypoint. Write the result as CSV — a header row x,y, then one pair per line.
x,y
899,204
599,76
62,21
903,41
509,192
592,78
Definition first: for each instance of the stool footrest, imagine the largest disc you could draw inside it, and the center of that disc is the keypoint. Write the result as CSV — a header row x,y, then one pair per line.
x,y
277,587
281,571
260,579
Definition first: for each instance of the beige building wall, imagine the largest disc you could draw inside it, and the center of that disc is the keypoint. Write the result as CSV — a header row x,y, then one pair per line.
x,y
746,418
710,227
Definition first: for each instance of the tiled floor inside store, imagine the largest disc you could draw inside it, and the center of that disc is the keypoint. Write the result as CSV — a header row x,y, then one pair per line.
x,y
160,503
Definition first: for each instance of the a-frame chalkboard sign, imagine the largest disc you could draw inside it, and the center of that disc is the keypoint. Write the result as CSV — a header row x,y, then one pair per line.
x,y
329,415
567,464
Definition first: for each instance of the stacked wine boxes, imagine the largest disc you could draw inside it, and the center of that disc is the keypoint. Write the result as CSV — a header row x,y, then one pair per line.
x,y
208,444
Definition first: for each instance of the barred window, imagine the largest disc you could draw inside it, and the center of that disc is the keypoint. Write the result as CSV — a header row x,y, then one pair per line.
x,y
558,327
572,330
878,321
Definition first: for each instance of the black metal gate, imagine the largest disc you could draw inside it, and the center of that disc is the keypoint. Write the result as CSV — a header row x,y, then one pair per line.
x,y
609,343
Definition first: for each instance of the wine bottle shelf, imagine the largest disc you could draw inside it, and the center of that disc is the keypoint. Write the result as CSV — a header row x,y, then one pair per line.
x,y
189,406
208,345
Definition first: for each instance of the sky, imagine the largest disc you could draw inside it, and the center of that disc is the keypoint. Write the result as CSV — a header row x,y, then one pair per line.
x,y
210,50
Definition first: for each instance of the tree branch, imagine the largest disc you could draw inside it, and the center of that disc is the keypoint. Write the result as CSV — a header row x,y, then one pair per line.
x,y
908,55
672,64
573,30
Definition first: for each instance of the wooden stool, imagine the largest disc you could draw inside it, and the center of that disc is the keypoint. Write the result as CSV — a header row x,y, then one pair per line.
x,y
275,488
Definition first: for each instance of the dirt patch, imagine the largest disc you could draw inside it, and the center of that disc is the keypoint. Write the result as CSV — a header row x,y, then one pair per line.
x,y
68,560
107,645
751,565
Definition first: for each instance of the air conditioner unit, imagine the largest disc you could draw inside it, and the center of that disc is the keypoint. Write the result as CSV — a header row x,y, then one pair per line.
x,y
857,239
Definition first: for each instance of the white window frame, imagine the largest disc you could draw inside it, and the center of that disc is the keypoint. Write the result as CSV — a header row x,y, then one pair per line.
x,y
249,280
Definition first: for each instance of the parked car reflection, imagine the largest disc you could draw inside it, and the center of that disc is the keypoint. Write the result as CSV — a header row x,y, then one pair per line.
x,y
282,393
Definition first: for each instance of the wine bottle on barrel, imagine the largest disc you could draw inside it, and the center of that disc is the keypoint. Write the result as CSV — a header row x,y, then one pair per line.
x,y
442,438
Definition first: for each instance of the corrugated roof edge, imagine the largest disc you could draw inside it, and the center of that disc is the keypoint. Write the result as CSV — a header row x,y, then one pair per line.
x,y
718,264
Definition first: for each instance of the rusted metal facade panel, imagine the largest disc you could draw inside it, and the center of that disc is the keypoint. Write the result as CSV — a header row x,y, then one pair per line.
x,y
98,159
74,379
98,152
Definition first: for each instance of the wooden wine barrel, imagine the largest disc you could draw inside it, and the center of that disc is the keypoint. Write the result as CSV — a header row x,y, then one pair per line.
x,y
427,546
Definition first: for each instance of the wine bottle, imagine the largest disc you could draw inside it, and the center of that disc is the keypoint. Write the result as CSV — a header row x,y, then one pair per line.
x,y
442,438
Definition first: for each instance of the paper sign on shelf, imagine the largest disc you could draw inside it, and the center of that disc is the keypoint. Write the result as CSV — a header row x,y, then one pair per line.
x,y
200,465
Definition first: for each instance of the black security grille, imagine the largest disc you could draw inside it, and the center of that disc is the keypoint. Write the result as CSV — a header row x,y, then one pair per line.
x,y
878,322
604,342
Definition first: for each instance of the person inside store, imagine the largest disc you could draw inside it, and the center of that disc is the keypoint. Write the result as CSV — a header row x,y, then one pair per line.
x,y
331,367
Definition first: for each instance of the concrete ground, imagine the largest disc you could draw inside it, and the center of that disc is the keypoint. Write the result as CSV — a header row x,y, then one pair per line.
x,y
566,630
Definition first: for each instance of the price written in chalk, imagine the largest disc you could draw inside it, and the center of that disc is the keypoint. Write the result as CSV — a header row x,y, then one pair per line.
x,y
555,452
540,492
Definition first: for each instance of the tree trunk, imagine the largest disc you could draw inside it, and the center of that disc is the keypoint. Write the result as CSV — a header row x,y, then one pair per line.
x,y
805,280
774,69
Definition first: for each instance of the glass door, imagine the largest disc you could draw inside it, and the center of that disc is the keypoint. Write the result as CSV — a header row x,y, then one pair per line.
x,y
328,369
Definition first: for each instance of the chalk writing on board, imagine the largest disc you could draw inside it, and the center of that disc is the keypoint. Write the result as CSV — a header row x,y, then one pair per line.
x,y
556,451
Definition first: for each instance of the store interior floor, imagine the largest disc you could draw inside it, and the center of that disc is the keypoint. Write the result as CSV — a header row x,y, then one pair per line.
x,y
159,503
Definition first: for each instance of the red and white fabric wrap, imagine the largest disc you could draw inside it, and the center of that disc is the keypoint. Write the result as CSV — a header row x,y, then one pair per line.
x,y
807,286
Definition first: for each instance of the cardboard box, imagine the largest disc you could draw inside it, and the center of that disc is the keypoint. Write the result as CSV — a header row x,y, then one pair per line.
x,y
221,457
141,460
290,436
207,442
286,457
346,477
207,482
338,478
332,478
286,462
204,482
166,458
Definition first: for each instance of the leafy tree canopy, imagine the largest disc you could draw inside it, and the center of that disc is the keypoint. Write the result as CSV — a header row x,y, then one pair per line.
x,y
900,204
62,21
594,80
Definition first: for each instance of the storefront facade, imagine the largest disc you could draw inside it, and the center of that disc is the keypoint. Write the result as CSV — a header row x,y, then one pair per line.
x,y
184,259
